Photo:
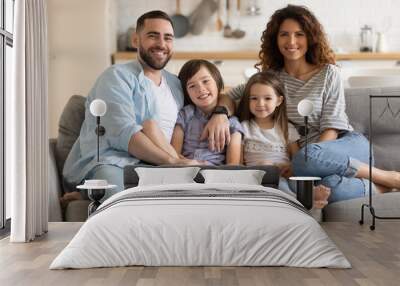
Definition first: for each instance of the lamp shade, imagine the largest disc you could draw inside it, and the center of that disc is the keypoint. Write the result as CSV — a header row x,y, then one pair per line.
x,y
305,107
98,107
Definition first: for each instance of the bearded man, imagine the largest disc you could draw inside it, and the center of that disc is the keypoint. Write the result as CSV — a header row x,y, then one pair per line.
x,y
143,101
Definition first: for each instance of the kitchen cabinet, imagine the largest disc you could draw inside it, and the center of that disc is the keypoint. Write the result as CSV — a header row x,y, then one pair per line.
x,y
232,64
253,55
369,63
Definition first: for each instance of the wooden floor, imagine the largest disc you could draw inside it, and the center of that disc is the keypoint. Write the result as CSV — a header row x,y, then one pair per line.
x,y
374,255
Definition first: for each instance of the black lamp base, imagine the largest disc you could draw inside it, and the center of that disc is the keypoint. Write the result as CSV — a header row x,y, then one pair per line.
x,y
95,195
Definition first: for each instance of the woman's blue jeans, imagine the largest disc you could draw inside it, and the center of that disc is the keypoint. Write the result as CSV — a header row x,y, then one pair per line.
x,y
336,162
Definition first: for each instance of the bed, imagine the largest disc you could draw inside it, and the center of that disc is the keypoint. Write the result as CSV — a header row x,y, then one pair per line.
x,y
201,224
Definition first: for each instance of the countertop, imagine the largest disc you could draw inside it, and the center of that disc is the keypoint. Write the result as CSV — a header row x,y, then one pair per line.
x,y
253,55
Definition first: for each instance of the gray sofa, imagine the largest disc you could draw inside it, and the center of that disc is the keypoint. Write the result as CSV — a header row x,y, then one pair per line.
x,y
68,131
386,149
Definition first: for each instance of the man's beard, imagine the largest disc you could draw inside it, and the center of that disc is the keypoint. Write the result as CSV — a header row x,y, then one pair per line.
x,y
147,58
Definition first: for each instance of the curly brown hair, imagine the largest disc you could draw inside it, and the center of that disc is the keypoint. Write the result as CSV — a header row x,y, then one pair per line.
x,y
318,53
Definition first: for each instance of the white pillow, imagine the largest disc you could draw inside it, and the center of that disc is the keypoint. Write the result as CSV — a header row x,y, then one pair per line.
x,y
248,177
166,176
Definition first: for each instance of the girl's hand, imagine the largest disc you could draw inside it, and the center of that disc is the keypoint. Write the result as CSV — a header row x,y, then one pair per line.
x,y
217,131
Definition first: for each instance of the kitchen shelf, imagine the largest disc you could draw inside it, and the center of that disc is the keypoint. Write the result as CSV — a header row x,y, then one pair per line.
x,y
217,55
253,55
368,56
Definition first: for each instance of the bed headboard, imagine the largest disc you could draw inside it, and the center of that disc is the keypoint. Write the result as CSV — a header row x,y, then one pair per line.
x,y
270,179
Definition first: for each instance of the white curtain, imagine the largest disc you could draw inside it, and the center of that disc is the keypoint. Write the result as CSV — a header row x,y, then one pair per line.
x,y
26,117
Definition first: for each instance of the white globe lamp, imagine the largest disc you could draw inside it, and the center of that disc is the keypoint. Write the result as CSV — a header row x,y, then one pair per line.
x,y
98,108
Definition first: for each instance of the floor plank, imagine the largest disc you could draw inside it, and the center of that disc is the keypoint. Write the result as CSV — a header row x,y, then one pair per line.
x,y
374,255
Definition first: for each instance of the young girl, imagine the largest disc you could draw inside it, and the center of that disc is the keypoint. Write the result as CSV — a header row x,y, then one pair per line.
x,y
269,139
202,84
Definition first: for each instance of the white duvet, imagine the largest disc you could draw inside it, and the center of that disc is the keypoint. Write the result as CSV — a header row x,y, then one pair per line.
x,y
182,230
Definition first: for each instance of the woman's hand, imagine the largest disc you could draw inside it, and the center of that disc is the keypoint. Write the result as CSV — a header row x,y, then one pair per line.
x,y
217,132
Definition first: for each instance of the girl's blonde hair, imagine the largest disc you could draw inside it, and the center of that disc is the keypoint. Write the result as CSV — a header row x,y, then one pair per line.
x,y
270,79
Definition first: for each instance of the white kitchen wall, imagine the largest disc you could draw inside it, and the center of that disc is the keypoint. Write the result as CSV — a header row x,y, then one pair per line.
x,y
82,37
342,20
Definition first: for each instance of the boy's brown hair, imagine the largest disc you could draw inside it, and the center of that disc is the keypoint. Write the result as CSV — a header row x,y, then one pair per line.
x,y
190,68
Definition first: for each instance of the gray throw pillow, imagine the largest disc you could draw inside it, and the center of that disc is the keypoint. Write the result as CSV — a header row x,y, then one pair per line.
x,y
69,128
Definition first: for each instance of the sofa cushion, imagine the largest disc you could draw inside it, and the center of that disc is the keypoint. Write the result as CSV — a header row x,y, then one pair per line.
x,y
69,128
54,185
385,122
387,204
77,210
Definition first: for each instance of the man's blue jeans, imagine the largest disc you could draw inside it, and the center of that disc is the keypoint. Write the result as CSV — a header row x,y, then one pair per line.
x,y
336,162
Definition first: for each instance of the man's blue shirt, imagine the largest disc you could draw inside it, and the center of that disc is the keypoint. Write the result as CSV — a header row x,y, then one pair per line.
x,y
130,101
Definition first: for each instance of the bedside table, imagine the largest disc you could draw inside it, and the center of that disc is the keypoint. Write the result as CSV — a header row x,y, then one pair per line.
x,y
96,191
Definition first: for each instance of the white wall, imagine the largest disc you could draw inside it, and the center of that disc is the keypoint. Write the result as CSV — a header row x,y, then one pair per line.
x,y
342,20
82,37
